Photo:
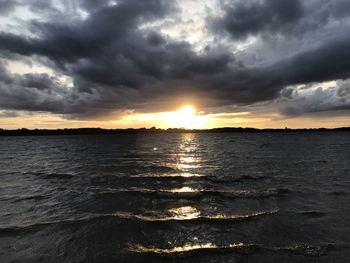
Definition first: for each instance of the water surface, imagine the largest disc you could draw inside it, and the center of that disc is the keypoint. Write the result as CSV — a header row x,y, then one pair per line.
x,y
235,197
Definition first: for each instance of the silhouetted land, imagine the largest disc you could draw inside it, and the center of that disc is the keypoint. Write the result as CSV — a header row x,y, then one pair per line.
x,y
82,131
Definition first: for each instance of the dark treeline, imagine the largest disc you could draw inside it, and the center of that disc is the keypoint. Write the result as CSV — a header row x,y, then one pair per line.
x,y
85,131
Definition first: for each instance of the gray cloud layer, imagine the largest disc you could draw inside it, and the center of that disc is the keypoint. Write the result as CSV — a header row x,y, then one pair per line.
x,y
319,100
116,64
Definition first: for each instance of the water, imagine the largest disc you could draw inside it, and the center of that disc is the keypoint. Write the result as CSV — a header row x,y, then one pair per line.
x,y
236,197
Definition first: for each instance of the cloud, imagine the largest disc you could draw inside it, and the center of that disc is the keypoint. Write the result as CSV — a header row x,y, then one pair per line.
x,y
8,114
245,18
110,59
288,18
116,59
319,100
7,6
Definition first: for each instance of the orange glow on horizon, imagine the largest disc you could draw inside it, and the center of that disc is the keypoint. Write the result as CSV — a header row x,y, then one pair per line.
x,y
185,117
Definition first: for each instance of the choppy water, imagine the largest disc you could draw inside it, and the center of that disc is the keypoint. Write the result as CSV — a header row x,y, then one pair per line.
x,y
176,197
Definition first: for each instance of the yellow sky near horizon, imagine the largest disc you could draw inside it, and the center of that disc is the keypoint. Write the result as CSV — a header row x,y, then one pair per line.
x,y
185,117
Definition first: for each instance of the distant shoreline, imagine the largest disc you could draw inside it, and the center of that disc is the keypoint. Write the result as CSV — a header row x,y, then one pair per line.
x,y
96,131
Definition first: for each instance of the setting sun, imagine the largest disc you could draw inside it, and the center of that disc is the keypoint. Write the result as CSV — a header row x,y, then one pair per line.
x,y
187,110
185,117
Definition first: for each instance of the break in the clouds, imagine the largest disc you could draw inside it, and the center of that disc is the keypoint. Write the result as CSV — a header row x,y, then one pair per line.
x,y
86,59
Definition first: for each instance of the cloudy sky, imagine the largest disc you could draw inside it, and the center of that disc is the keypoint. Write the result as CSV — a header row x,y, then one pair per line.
x,y
135,63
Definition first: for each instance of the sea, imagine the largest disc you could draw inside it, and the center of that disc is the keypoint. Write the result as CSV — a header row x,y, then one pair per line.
x,y
176,197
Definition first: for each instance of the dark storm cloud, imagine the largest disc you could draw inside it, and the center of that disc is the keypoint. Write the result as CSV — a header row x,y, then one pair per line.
x,y
38,81
344,89
98,35
33,92
116,64
108,56
93,5
323,101
7,5
319,100
248,85
243,18
272,17
288,93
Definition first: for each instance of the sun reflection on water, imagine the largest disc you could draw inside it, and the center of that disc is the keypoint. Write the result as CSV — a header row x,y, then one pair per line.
x,y
187,175
185,189
184,213
188,155
186,248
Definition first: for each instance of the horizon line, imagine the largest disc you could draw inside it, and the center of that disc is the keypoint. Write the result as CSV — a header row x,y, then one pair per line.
x,y
98,130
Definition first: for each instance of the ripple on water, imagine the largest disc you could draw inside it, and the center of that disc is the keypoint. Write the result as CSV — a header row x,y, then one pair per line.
x,y
188,191
187,213
310,250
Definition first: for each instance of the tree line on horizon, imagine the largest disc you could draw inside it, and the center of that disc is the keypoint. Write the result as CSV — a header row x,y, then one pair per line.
x,y
92,131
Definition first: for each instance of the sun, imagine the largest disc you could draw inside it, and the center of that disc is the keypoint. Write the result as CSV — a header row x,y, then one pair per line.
x,y
185,117
187,110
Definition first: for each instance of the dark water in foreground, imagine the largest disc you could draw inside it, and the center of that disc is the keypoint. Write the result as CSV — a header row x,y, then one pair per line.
x,y
176,197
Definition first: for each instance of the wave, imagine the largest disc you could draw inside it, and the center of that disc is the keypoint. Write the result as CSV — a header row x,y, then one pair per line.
x,y
191,216
180,175
312,213
208,177
27,228
301,249
338,193
58,176
32,197
15,230
182,249
16,198
197,192
50,175
252,177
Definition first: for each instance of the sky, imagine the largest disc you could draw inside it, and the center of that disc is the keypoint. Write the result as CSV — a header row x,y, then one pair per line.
x,y
179,63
